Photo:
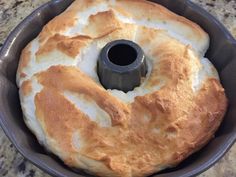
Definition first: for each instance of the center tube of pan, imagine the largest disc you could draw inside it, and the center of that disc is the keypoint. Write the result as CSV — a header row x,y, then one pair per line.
x,y
121,65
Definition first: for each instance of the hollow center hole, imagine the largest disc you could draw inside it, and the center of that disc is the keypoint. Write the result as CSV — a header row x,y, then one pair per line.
x,y
122,54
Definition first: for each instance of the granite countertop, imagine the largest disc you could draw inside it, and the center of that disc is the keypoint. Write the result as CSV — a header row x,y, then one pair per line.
x,y
12,164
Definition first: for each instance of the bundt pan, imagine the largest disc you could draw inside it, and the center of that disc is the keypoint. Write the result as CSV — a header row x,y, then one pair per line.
x,y
222,53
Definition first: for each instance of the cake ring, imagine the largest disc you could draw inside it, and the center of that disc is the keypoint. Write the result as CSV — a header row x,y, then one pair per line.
x,y
174,112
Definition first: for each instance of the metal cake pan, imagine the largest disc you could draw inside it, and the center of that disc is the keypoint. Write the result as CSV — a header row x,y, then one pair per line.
x,y
222,53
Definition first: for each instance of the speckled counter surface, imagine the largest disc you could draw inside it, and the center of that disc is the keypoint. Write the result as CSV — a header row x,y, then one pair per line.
x,y
12,164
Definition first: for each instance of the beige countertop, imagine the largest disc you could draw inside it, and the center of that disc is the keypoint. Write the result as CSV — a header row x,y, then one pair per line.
x,y
12,164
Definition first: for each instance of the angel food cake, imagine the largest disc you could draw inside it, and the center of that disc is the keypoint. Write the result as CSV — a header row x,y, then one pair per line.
x,y
174,112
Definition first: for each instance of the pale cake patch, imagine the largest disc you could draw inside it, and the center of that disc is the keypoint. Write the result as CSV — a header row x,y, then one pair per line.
x,y
90,108
172,114
28,108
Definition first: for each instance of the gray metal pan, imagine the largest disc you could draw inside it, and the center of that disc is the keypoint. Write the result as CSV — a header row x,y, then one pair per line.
x,y
222,53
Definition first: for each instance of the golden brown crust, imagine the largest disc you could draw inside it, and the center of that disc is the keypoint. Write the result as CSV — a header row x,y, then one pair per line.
x,y
71,79
26,88
65,20
160,128
49,102
57,25
96,27
69,46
